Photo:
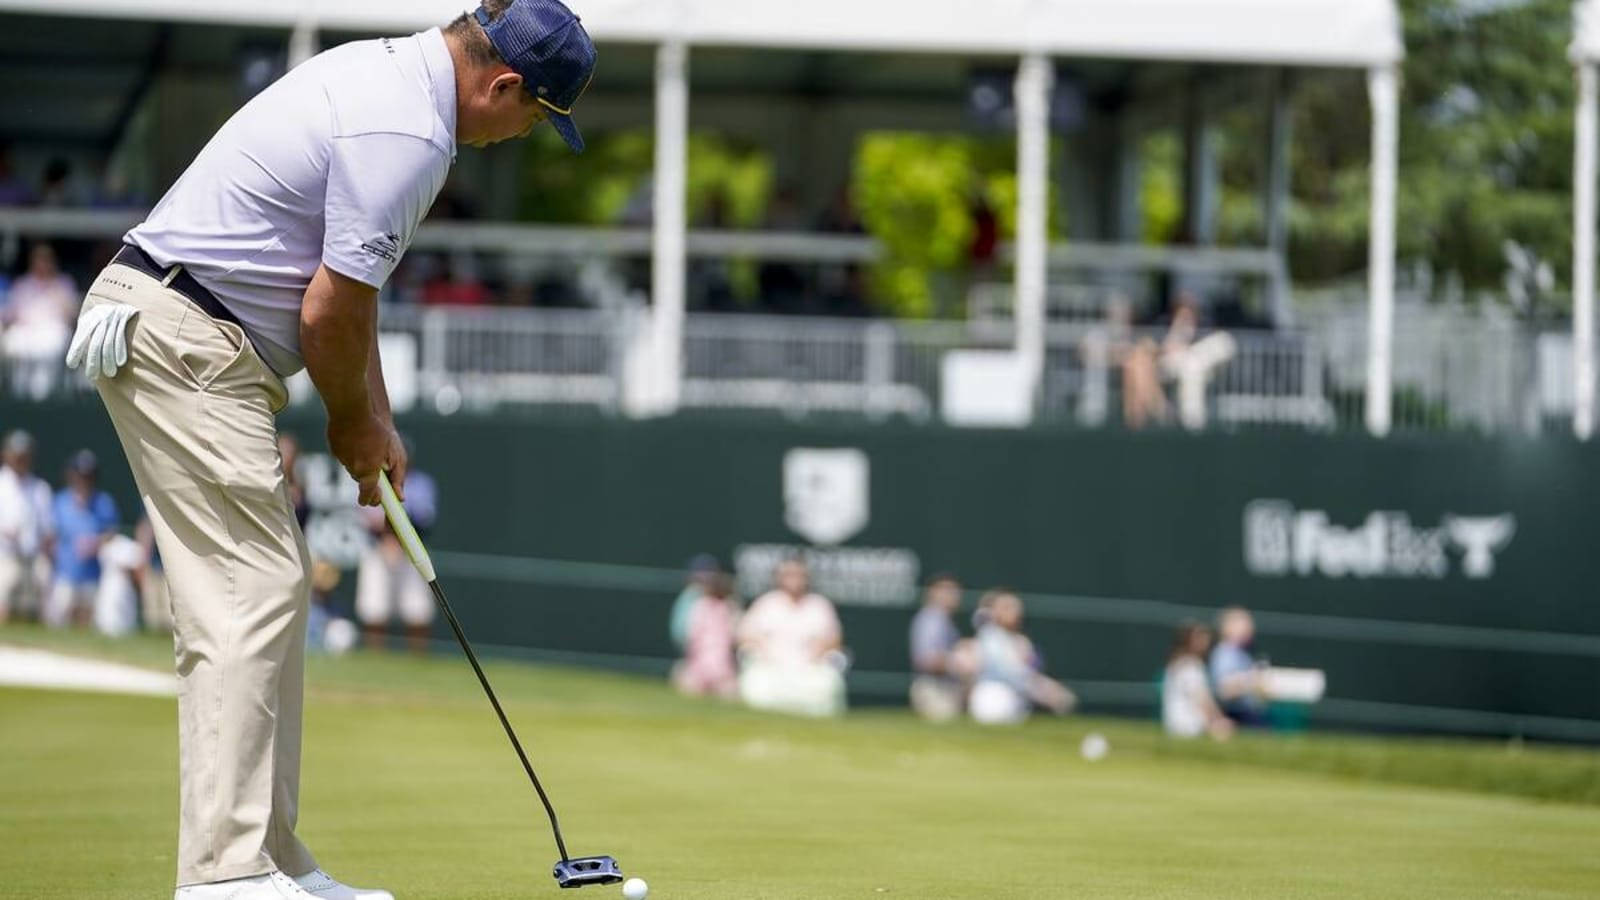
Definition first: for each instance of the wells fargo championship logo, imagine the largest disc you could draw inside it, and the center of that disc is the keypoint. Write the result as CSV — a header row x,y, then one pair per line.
x,y
827,500
1280,540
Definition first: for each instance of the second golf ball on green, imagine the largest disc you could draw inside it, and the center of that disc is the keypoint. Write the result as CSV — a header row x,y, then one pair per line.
x,y
635,889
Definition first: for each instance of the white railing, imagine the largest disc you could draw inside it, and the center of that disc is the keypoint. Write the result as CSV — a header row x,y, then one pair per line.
x,y
494,358
1453,368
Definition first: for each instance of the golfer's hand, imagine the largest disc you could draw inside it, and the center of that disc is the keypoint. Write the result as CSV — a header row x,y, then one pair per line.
x,y
366,446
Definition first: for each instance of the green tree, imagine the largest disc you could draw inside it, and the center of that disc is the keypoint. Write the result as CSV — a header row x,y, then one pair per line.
x,y
1485,148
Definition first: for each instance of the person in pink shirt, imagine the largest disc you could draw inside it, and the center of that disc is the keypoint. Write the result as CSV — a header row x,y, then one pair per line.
x,y
707,668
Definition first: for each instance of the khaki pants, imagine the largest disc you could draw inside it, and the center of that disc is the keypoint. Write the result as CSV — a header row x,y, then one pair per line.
x,y
194,411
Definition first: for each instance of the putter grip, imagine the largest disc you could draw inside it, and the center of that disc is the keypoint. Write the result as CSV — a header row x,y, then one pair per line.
x,y
404,529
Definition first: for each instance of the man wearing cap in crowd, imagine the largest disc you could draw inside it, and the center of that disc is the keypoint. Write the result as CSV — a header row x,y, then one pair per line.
x,y
85,518
27,526
264,258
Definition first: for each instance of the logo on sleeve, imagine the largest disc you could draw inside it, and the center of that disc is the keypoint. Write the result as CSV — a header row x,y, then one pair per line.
x,y
384,246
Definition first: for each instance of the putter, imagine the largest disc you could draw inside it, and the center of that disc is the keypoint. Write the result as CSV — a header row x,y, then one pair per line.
x,y
569,872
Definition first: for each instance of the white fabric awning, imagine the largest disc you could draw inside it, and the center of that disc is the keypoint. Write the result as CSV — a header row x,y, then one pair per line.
x,y
1360,33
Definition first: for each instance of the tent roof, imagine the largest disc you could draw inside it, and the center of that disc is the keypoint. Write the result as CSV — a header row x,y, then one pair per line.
x,y
1287,32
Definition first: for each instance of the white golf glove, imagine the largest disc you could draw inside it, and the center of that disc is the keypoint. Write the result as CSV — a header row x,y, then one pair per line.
x,y
100,345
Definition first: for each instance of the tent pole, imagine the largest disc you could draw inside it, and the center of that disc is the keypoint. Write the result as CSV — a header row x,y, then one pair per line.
x,y
1583,259
1035,78
1383,88
668,236
1276,200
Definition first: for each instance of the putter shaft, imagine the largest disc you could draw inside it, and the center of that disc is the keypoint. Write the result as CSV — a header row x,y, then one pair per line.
x,y
461,637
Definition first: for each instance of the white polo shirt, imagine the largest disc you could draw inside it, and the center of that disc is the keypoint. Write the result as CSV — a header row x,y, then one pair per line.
x,y
336,163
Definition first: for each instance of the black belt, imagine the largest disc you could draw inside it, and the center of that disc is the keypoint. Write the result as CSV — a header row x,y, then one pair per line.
x,y
183,282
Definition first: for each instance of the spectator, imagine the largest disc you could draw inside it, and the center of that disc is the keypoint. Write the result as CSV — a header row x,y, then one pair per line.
x,y
86,517
289,452
702,568
937,688
27,528
116,597
1191,362
457,284
56,190
1009,680
1235,677
708,668
325,630
790,642
387,584
13,190
38,317
1187,708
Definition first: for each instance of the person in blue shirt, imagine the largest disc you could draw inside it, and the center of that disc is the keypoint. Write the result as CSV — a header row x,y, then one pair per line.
x,y
1235,677
85,518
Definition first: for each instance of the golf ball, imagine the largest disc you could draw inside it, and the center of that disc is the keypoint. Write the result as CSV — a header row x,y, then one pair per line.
x,y
1094,747
635,889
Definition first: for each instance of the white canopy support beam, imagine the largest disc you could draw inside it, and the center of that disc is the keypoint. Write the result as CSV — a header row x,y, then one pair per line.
x,y
1035,79
1583,258
1275,202
303,38
668,240
1383,86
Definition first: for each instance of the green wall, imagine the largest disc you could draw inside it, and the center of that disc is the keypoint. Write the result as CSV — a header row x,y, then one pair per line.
x,y
563,535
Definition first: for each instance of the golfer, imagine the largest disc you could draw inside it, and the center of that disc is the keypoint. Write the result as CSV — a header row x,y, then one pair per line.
x,y
265,258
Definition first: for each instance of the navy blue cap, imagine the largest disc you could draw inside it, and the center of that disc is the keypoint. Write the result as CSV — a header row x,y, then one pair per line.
x,y
542,41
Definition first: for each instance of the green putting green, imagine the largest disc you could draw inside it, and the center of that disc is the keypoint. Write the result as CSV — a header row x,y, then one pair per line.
x,y
409,784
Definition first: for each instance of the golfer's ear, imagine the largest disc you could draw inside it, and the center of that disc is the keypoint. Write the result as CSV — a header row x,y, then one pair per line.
x,y
504,83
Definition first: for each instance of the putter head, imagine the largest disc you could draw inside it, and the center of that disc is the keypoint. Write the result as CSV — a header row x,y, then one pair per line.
x,y
586,870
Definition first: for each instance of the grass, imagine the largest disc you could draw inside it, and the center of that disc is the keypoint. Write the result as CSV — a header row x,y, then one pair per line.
x,y
409,783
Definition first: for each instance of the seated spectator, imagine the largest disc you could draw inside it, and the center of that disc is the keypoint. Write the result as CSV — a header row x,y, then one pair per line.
x,y
1187,708
457,284
702,568
116,598
56,188
14,190
1235,677
1190,362
39,316
938,688
387,584
707,668
86,518
1009,681
27,529
790,644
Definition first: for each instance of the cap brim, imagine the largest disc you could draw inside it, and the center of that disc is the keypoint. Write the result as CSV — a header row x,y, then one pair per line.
x,y
568,130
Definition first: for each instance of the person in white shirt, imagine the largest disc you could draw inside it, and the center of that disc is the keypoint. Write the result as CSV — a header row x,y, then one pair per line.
x,y
1188,710
790,642
266,257
38,315
26,529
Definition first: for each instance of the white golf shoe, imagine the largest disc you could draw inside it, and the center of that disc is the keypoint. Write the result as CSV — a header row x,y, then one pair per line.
x,y
318,883
272,886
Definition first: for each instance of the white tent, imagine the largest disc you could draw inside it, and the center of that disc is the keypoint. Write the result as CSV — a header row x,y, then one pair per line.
x,y
1585,55
1319,33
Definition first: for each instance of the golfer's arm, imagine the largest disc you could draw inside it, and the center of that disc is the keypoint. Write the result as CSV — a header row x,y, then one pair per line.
x,y
338,321
376,390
